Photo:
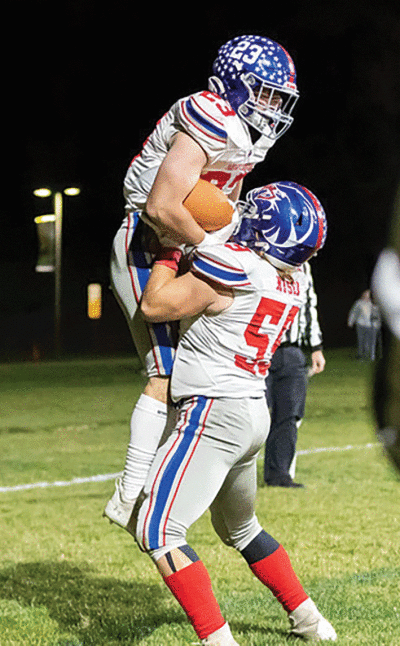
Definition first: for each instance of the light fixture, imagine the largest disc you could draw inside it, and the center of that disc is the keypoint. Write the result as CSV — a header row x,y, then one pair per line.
x,y
42,192
72,191
52,241
45,218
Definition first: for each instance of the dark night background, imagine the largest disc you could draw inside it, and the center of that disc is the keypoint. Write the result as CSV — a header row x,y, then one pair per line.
x,y
85,84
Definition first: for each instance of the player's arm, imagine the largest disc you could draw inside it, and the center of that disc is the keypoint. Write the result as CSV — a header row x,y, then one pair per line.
x,y
177,176
168,297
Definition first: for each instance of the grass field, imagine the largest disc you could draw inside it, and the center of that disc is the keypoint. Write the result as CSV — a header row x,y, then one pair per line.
x,y
68,578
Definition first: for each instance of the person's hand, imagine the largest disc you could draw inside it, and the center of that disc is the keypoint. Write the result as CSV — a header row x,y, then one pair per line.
x,y
317,362
220,236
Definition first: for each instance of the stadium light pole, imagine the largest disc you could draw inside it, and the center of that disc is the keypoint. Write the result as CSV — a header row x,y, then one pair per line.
x,y
58,221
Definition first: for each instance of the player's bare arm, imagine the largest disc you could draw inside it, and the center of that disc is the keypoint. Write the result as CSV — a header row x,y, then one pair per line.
x,y
168,297
176,177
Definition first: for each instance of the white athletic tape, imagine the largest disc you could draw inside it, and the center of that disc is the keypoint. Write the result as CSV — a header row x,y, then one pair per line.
x,y
112,476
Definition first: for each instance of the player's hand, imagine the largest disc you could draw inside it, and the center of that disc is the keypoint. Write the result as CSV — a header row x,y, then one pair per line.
x,y
220,236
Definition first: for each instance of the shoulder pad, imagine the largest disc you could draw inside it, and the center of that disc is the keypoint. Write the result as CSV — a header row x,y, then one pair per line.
x,y
202,116
211,121
222,264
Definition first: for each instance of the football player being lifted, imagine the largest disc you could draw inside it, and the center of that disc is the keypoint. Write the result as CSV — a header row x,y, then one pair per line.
x,y
218,135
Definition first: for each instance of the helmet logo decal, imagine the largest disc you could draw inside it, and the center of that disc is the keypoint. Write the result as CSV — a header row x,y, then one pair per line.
x,y
268,193
283,221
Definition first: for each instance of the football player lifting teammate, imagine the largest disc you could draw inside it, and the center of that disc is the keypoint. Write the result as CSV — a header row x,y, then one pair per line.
x,y
217,135
242,296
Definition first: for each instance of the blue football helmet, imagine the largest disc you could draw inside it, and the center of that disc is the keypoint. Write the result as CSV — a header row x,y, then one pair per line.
x,y
258,78
284,222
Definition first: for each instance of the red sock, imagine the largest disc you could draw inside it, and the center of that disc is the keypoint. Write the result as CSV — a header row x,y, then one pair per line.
x,y
191,586
276,572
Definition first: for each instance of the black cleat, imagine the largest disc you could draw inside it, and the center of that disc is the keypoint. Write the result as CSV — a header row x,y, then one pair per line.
x,y
284,481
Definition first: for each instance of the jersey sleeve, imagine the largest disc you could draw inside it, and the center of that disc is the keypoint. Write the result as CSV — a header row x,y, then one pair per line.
x,y
226,264
204,117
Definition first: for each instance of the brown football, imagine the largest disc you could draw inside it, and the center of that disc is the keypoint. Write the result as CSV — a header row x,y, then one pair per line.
x,y
209,206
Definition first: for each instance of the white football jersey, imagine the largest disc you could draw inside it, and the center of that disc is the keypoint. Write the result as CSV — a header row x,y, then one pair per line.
x,y
212,123
228,354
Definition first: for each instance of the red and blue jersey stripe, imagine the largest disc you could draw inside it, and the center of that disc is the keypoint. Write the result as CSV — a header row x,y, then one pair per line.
x,y
206,265
203,120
